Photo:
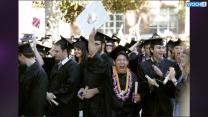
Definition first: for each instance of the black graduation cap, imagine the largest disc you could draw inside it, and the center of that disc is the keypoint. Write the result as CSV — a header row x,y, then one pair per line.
x,y
156,40
45,38
25,48
141,42
155,35
111,39
42,49
26,38
179,42
67,41
116,38
100,37
120,50
80,42
170,44
128,45
144,42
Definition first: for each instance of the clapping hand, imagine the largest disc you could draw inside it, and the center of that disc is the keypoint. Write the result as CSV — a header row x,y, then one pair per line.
x,y
157,70
172,75
151,82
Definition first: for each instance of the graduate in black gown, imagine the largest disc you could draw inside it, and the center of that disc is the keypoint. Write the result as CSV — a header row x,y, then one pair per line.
x,y
169,50
80,49
125,102
111,43
177,49
159,102
93,91
33,83
145,44
80,54
106,43
134,56
47,57
63,82
135,60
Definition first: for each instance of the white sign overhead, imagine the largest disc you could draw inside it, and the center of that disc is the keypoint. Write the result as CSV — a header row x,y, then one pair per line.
x,y
93,16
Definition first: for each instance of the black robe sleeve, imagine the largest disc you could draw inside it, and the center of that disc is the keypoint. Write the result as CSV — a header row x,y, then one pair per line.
x,y
142,83
97,65
170,87
108,60
48,64
69,86
33,91
95,77
133,62
38,94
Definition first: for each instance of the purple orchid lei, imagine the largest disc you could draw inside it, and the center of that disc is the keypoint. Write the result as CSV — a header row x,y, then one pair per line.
x,y
122,95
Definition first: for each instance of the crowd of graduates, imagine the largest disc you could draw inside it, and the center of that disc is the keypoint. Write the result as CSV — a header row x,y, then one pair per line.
x,y
103,79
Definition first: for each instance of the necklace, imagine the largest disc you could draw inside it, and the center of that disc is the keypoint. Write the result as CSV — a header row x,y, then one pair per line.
x,y
122,94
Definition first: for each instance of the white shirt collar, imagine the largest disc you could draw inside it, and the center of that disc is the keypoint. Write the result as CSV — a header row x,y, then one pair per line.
x,y
65,60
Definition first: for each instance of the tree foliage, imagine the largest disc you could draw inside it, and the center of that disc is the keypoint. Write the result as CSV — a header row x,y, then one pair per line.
x,y
70,10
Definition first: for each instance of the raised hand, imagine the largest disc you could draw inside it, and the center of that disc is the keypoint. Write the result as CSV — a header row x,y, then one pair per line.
x,y
91,44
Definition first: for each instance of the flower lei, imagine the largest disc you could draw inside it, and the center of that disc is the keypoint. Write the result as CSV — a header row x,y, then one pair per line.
x,y
123,95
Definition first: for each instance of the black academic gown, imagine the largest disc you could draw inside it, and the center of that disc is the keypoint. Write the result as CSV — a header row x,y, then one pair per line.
x,y
107,59
81,105
49,62
159,102
94,77
63,83
134,60
125,108
135,66
32,91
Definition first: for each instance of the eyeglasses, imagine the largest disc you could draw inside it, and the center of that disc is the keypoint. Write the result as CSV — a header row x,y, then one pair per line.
x,y
109,45
97,44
